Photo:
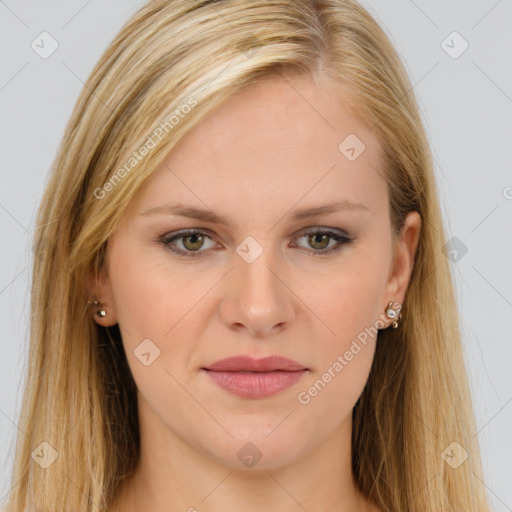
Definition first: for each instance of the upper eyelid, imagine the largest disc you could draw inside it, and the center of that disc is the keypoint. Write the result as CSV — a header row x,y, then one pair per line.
x,y
176,235
299,233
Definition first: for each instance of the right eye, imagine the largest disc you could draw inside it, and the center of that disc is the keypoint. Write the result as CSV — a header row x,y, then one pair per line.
x,y
191,240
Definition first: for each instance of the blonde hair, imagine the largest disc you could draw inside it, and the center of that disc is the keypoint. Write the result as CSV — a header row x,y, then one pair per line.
x,y
79,394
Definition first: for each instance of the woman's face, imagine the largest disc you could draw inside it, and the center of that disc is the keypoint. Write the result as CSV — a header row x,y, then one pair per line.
x,y
256,284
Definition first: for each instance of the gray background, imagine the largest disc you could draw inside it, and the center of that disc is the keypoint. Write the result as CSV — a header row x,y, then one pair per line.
x,y
466,105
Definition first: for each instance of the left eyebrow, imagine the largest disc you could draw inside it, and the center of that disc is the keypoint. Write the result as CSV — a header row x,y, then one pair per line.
x,y
328,209
205,215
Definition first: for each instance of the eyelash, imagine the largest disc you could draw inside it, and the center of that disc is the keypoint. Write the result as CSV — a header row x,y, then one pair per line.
x,y
166,240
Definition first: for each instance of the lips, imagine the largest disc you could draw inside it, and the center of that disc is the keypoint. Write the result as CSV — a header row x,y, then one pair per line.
x,y
249,364
247,377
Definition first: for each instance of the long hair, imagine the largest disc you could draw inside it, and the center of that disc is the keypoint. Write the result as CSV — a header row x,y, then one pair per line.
x,y
171,64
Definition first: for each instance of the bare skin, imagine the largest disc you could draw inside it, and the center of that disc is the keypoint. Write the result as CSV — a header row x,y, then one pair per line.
x,y
265,153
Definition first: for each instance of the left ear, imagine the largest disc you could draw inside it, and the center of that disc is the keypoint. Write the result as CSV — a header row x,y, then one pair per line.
x,y
403,260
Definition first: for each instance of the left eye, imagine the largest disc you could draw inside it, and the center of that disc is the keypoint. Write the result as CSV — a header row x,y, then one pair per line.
x,y
192,241
319,240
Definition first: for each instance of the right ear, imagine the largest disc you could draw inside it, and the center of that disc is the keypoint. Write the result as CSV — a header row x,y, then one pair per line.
x,y
100,289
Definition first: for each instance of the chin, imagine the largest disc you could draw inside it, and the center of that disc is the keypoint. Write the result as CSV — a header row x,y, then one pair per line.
x,y
260,448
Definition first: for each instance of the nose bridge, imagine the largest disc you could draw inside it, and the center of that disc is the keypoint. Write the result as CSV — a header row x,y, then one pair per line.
x,y
257,271
260,298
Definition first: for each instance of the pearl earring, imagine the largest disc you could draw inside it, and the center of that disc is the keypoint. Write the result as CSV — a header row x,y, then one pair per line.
x,y
101,312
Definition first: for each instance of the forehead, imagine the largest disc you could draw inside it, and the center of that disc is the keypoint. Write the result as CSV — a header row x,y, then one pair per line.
x,y
299,112
293,118
277,142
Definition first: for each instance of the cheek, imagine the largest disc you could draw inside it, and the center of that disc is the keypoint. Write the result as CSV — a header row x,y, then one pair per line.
x,y
343,363
349,306
139,300
151,307
160,314
148,293
350,299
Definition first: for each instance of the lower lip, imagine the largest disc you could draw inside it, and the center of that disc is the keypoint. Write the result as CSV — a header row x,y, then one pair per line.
x,y
255,384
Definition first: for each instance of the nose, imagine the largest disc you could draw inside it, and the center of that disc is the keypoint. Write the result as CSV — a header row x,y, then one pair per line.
x,y
257,297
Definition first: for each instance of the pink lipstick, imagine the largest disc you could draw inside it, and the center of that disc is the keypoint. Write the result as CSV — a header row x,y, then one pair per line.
x,y
255,378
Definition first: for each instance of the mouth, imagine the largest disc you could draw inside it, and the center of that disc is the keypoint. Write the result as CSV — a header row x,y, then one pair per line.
x,y
248,377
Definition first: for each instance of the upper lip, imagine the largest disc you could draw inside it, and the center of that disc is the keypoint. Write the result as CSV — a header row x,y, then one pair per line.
x,y
251,364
